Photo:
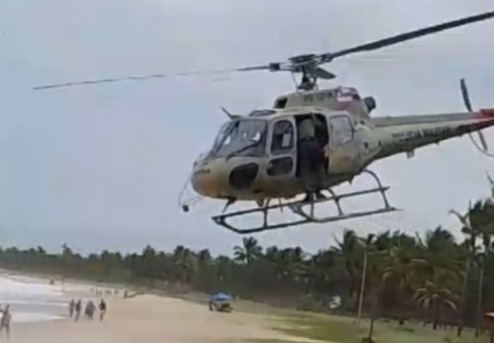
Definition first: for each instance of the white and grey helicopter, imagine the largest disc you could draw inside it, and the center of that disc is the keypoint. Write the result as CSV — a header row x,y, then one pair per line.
x,y
256,157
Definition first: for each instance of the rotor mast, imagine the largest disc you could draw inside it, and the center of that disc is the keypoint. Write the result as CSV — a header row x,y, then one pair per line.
x,y
302,64
307,82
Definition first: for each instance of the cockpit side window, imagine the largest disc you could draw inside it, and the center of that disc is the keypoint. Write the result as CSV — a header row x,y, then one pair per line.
x,y
341,130
283,137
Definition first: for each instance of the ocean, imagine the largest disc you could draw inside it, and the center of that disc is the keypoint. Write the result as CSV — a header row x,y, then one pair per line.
x,y
31,299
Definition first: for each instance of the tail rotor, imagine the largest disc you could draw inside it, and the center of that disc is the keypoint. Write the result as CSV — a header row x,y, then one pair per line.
x,y
468,105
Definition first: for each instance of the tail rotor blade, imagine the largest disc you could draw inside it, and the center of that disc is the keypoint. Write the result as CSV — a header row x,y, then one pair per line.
x,y
491,183
483,142
466,99
465,95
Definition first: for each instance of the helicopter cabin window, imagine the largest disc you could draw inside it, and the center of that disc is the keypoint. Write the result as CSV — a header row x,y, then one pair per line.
x,y
341,130
283,137
244,137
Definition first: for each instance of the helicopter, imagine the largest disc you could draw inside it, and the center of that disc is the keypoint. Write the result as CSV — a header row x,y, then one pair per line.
x,y
256,157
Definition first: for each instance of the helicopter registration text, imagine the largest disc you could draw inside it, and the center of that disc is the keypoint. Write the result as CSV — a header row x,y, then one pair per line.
x,y
410,135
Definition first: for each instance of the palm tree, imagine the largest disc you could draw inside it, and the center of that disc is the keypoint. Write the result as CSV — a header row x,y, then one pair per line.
x,y
437,241
486,230
440,251
480,292
435,295
366,244
204,257
288,263
401,270
376,264
223,266
478,222
348,249
185,263
248,252
68,258
324,271
471,234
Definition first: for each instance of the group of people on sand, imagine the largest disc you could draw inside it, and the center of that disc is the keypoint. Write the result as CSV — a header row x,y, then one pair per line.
x,y
75,308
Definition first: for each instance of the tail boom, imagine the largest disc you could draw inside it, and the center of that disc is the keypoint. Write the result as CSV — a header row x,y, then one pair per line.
x,y
407,133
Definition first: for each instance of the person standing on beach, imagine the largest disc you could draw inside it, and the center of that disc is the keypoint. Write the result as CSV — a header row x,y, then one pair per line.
x,y
78,307
71,308
89,311
5,320
102,309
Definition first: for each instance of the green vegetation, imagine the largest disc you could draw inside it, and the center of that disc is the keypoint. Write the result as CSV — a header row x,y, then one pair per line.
x,y
332,328
328,328
409,284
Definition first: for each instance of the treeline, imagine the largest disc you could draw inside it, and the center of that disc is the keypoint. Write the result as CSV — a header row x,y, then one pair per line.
x,y
432,278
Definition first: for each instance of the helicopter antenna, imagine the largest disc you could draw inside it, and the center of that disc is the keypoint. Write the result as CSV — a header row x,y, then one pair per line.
x,y
230,115
308,65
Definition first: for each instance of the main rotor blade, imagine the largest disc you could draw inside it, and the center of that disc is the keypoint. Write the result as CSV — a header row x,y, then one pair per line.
x,y
407,36
281,66
147,77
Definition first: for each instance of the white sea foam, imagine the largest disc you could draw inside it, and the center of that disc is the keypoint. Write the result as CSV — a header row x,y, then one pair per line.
x,y
11,287
26,317
32,299
24,301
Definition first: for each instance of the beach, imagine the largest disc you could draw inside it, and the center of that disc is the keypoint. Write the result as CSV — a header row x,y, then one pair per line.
x,y
146,318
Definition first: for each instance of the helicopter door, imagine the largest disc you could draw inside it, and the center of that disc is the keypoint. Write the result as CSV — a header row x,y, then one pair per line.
x,y
342,149
282,148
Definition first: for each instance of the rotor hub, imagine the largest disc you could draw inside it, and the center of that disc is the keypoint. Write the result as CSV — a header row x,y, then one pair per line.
x,y
303,59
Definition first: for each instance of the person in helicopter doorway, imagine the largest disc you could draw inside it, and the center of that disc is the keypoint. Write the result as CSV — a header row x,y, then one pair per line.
x,y
311,158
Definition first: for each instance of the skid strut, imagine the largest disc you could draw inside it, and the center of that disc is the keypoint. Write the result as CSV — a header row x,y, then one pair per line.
x,y
297,207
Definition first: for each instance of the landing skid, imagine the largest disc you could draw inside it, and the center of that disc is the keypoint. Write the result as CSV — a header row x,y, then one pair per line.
x,y
298,208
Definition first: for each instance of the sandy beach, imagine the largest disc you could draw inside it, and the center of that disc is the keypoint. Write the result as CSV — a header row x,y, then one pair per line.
x,y
150,318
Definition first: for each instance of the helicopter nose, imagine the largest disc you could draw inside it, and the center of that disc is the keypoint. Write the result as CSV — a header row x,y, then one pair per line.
x,y
204,180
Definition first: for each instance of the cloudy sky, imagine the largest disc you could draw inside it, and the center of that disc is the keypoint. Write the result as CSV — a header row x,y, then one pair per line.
x,y
102,167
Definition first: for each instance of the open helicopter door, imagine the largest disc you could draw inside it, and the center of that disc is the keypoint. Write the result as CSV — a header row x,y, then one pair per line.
x,y
342,150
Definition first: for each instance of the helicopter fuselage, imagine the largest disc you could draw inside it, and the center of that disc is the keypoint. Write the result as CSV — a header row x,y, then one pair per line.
x,y
256,157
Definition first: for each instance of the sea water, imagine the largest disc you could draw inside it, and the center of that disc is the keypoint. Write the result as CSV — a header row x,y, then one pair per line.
x,y
31,299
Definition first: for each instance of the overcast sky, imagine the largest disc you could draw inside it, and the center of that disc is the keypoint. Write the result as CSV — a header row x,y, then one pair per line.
x,y
102,167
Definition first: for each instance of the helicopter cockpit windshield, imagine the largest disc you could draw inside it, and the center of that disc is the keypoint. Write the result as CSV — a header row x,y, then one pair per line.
x,y
241,137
